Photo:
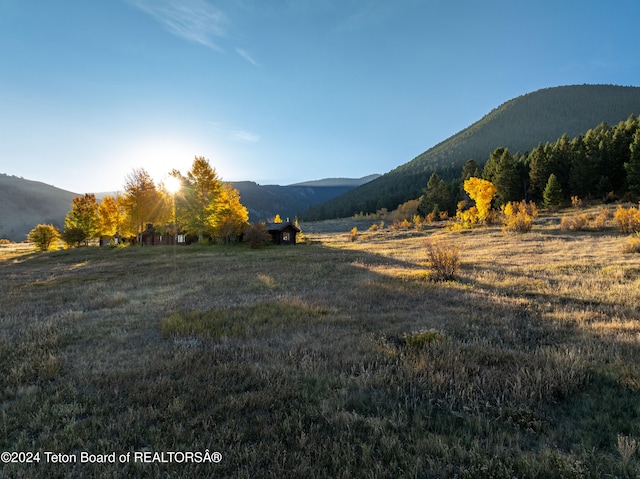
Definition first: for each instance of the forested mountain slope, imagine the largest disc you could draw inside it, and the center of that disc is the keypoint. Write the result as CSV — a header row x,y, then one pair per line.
x,y
519,125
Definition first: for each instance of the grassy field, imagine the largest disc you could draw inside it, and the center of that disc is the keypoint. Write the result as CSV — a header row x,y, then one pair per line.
x,y
335,358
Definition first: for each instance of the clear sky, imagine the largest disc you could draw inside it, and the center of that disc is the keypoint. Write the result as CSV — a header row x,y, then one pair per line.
x,y
279,91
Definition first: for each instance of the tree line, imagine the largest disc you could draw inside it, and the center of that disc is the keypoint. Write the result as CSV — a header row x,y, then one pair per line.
x,y
603,163
198,205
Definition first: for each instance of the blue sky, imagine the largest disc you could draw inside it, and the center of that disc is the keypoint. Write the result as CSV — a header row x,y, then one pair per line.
x,y
279,91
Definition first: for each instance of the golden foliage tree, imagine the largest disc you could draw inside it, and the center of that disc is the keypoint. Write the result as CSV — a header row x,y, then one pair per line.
x,y
232,215
141,201
44,237
201,196
81,223
482,193
109,216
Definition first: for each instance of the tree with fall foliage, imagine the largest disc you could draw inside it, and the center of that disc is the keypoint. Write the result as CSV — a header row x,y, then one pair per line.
x,y
232,215
200,199
482,193
44,237
142,201
110,216
81,223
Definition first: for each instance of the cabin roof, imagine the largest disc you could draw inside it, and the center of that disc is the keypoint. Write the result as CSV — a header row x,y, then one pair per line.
x,y
282,226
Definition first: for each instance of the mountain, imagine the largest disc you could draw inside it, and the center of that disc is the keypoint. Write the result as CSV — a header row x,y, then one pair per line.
x,y
25,204
265,201
519,125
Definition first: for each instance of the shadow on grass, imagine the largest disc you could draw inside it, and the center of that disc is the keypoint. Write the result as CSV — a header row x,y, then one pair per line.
x,y
305,363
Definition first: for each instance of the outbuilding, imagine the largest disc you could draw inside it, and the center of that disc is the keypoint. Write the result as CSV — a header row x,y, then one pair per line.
x,y
283,233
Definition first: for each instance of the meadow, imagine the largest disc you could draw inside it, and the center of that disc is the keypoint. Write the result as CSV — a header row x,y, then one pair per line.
x,y
333,358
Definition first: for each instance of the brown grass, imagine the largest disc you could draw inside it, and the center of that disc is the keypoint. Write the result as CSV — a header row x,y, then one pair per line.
x,y
330,359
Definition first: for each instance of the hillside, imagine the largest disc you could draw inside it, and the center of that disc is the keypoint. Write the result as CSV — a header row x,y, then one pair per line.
x,y
519,124
265,201
27,203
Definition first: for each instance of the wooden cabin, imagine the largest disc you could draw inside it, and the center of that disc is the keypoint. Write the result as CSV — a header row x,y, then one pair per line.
x,y
283,233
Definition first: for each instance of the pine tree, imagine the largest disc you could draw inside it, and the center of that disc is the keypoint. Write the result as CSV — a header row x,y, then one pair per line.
x,y
436,196
633,166
502,172
552,192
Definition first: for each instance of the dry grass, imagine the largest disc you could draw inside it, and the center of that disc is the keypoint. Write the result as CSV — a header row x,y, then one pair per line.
x,y
331,359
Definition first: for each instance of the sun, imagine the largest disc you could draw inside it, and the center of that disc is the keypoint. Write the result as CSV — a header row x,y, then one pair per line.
x,y
172,184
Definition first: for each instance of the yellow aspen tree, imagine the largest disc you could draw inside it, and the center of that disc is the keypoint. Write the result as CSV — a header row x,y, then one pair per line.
x,y
482,192
108,216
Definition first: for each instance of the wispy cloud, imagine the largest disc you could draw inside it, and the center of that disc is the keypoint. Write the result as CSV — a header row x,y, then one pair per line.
x,y
245,136
192,20
245,54
233,133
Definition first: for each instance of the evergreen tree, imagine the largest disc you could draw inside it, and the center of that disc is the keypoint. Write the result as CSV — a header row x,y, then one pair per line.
x,y
552,192
633,166
539,170
436,196
501,171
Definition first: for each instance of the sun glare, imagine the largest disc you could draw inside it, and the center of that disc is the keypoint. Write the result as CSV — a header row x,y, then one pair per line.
x,y
172,184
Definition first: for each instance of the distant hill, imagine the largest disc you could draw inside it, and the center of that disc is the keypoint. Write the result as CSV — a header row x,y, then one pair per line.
x,y
265,201
519,124
25,204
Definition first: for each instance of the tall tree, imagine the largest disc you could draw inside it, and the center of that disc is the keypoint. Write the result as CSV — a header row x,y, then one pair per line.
x,y
540,169
233,216
201,198
502,172
633,165
81,223
109,216
436,196
142,201
552,192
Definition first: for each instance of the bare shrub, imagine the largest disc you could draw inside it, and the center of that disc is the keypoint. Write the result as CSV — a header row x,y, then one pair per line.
x,y
443,260
257,235
627,447
574,223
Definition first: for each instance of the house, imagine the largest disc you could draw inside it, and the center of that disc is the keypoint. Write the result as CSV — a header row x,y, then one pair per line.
x,y
151,236
283,233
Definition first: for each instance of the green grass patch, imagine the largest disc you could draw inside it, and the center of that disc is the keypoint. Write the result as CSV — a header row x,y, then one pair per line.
x,y
243,321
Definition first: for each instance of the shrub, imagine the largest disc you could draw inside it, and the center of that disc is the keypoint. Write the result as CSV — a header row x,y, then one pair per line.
x,y
443,261
576,202
257,235
519,216
4,241
602,220
574,223
353,235
627,219
632,245
44,237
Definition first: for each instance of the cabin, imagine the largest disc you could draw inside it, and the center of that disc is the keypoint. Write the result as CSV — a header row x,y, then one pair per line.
x,y
151,236
283,233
